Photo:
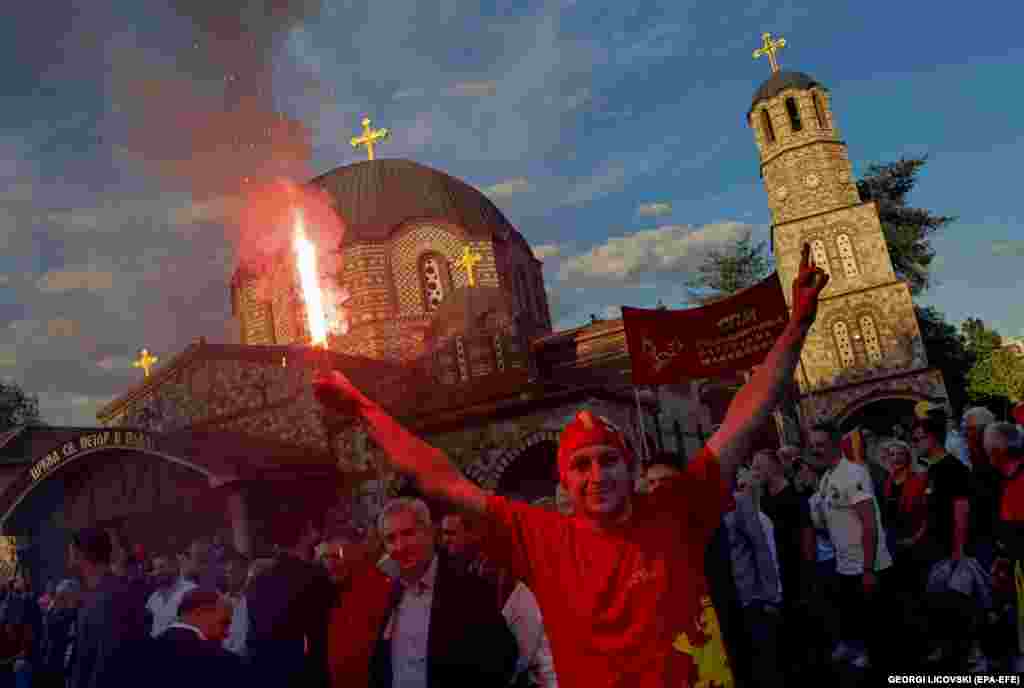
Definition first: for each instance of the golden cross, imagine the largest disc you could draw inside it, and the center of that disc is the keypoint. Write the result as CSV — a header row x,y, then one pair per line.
x,y
769,48
468,262
369,137
145,361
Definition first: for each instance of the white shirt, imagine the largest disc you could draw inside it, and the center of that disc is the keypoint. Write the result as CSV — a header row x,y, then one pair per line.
x,y
522,614
409,630
163,604
841,488
239,628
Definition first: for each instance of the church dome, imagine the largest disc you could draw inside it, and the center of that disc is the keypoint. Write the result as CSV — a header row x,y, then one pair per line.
x,y
374,197
779,82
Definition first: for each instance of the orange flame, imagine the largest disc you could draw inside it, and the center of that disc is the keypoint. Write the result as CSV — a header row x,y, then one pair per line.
x,y
305,258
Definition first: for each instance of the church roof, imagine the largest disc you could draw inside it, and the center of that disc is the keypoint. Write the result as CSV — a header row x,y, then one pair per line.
x,y
779,82
374,197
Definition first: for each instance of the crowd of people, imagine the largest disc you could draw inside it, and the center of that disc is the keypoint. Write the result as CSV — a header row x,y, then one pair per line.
x,y
739,568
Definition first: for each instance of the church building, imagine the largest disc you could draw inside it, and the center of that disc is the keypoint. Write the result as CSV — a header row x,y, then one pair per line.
x,y
450,330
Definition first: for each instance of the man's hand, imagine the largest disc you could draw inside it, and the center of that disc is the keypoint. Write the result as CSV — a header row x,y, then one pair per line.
x,y
406,453
807,287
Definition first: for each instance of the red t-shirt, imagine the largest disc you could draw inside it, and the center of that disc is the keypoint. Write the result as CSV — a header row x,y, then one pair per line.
x,y
1011,507
625,609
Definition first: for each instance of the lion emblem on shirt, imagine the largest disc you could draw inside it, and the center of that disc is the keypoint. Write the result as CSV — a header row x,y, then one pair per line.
x,y
710,658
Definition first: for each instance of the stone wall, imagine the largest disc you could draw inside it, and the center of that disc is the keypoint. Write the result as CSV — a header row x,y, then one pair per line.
x,y
838,404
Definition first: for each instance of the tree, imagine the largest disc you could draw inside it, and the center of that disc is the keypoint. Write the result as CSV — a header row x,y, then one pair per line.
x,y
947,350
736,266
996,376
17,407
981,341
907,230
999,375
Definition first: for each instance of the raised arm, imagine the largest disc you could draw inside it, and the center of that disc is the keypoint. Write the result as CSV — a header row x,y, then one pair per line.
x,y
755,402
433,470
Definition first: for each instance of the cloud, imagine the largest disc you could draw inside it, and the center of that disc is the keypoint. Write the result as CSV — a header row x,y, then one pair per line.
x,y
476,89
612,312
669,249
611,178
111,363
654,209
62,327
69,280
544,251
509,187
1008,248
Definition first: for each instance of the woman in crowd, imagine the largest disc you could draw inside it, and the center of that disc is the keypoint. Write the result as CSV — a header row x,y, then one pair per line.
x,y
904,513
58,623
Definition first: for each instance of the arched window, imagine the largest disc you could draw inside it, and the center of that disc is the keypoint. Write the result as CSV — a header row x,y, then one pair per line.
x,y
523,291
871,343
794,114
538,295
842,337
819,110
766,125
435,280
846,255
820,255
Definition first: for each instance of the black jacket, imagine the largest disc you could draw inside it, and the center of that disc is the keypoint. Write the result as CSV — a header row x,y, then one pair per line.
x,y
111,637
287,605
469,644
181,658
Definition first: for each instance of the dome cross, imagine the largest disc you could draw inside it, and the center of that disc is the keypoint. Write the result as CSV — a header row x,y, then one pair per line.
x,y
145,361
369,138
769,48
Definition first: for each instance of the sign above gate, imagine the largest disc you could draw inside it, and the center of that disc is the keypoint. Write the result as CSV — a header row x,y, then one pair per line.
x,y
87,441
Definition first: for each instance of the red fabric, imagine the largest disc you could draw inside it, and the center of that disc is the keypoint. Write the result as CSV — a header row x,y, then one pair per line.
x,y
617,603
355,621
668,346
1011,508
913,498
588,430
1018,413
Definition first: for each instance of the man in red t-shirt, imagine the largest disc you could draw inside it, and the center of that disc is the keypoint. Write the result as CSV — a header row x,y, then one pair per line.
x,y
621,582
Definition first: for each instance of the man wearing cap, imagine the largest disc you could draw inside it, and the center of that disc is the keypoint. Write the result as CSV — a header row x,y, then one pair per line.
x,y
620,583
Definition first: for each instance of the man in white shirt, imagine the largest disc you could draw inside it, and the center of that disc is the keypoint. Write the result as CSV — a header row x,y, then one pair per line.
x,y
170,588
523,616
444,623
846,506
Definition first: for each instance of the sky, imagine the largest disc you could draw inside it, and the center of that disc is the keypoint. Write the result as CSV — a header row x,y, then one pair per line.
x,y
613,135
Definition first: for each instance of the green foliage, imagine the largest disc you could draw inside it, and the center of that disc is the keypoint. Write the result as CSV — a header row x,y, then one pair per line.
x,y
996,375
907,230
981,341
948,351
17,407
738,265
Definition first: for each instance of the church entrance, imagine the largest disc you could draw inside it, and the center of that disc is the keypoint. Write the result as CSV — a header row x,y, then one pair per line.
x,y
533,475
142,498
881,415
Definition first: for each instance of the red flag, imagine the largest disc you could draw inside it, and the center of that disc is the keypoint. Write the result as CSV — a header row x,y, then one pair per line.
x,y
666,347
853,446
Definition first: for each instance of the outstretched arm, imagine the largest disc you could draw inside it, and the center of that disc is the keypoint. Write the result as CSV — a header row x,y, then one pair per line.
x,y
755,402
408,454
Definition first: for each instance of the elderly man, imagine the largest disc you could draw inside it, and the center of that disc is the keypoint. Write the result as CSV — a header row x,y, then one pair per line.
x,y
986,487
189,651
445,627
620,583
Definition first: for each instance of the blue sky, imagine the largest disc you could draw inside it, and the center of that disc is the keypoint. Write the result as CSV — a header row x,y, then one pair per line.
x,y
612,135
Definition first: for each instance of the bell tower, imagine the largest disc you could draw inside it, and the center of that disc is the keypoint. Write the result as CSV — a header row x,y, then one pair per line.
x,y
865,344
